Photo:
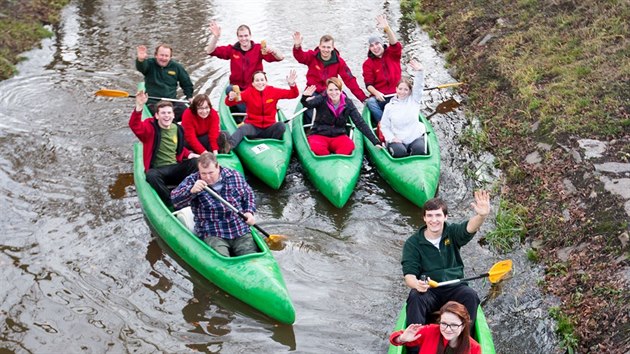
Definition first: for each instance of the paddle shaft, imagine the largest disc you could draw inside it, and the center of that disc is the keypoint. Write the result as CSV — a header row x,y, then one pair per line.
x,y
227,204
163,99
295,115
461,280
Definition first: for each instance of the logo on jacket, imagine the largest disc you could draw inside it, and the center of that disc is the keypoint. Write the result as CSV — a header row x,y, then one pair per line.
x,y
236,56
269,100
317,67
447,242
171,72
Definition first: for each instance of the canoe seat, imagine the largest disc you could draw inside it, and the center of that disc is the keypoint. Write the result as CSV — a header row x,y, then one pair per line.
x,y
186,217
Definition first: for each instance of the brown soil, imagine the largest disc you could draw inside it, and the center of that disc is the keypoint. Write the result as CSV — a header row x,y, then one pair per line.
x,y
579,232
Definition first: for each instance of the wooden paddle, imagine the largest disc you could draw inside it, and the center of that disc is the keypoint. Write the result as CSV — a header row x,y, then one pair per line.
x,y
495,274
274,240
119,93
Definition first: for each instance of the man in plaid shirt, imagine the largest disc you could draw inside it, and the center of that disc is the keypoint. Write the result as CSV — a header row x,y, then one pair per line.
x,y
216,224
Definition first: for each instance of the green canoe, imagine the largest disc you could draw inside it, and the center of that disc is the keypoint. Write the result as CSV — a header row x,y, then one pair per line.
x,y
414,177
267,159
254,279
335,176
482,333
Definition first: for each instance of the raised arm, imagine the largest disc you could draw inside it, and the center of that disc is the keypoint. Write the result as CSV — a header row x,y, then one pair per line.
x,y
381,23
215,33
418,81
141,57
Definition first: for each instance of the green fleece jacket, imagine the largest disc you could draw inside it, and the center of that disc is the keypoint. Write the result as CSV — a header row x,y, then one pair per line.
x,y
162,81
420,257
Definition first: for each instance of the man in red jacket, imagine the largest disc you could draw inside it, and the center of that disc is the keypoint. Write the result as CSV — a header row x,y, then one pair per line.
x,y
323,63
163,147
381,70
245,57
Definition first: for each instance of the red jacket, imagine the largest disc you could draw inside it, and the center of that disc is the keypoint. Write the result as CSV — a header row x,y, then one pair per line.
x,y
429,341
243,65
148,132
317,73
383,73
195,126
262,105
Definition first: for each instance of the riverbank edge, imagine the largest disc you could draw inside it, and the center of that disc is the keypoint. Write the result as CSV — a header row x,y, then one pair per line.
x,y
543,131
22,24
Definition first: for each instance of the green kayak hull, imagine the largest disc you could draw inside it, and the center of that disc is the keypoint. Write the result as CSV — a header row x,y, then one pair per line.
x,y
414,177
335,176
255,279
267,159
482,334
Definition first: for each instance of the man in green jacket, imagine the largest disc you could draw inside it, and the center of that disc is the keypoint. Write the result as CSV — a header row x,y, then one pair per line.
x,y
433,252
162,75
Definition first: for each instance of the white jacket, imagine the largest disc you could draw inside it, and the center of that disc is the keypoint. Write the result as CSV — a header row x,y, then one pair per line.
x,y
401,117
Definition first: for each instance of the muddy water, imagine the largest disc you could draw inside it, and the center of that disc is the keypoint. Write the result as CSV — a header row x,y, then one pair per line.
x,y
81,271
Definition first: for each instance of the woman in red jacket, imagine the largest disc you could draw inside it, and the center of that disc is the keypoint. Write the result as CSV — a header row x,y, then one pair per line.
x,y
453,332
261,101
201,127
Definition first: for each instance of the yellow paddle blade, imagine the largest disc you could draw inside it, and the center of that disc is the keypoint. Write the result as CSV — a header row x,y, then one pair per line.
x,y
452,84
499,270
111,93
276,242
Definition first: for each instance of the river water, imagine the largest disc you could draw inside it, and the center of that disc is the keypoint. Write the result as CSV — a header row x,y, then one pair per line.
x,y
82,272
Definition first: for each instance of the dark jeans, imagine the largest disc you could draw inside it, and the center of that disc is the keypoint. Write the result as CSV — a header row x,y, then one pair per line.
x,y
178,109
247,130
376,108
161,177
420,305
205,141
415,148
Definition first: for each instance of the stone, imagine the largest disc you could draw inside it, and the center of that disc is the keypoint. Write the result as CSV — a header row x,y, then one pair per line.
x,y
544,146
618,186
624,238
563,253
592,148
613,167
533,158
568,186
486,39
576,156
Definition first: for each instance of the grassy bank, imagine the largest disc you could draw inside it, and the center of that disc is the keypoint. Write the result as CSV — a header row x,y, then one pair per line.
x,y
22,28
540,75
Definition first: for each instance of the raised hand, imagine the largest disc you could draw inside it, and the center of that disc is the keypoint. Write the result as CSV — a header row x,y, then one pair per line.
x,y
297,39
482,203
309,91
381,22
141,53
141,99
215,29
415,65
411,333
291,77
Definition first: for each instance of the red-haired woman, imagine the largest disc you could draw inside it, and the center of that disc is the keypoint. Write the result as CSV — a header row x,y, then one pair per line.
x,y
451,335
201,127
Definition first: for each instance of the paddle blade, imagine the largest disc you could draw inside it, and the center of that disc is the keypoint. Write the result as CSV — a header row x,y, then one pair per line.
x,y
499,270
452,84
276,242
111,93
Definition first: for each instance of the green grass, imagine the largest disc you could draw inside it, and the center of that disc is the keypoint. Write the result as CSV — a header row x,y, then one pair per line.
x,y
565,329
510,227
23,28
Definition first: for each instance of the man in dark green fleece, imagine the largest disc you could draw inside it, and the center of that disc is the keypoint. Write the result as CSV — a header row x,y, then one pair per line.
x,y
162,75
433,252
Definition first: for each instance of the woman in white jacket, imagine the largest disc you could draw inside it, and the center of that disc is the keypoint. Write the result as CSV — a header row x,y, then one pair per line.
x,y
404,133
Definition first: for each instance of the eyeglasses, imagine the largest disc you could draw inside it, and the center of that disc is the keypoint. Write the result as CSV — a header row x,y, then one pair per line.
x,y
450,326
